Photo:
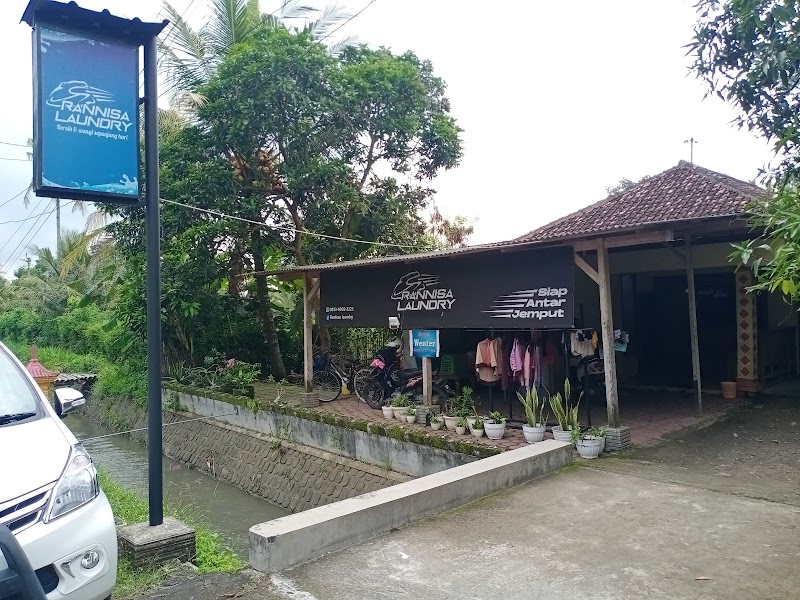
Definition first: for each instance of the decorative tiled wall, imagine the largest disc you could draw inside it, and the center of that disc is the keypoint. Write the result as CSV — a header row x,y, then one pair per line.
x,y
746,335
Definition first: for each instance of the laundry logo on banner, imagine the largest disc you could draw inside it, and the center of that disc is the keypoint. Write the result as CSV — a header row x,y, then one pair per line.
x,y
79,104
541,303
417,291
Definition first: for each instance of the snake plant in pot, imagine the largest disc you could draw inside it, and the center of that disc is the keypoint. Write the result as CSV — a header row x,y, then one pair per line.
x,y
567,417
534,415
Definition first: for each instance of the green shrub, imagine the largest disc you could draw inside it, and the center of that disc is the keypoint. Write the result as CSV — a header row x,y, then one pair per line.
x,y
125,379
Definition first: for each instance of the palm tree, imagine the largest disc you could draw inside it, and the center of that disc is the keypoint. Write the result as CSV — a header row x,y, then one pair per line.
x,y
191,56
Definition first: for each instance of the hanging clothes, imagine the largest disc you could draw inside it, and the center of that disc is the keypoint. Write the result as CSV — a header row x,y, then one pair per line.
x,y
517,361
503,369
486,361
550,353
537,366
497,351
528,367
581,343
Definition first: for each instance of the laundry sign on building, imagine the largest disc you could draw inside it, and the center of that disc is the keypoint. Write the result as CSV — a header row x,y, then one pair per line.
x,y
518,290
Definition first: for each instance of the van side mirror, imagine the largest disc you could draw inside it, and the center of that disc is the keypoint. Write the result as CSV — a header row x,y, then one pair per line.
x,y
68,400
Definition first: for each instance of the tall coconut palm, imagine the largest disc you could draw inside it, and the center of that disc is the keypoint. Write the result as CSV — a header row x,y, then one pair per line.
x,y
190,56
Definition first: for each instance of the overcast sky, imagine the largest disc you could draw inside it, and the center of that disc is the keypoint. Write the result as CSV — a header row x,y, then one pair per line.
x,y
557,101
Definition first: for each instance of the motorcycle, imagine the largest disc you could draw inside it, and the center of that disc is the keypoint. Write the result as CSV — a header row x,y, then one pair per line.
x,y
384,382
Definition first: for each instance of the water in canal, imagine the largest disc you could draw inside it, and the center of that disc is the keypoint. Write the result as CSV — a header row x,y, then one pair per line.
x,y
230,511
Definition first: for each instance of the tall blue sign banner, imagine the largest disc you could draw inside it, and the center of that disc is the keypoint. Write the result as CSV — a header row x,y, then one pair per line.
x,y
425,343
86,117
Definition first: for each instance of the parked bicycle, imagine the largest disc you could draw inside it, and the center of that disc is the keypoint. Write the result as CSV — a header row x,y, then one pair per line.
x,y
330,380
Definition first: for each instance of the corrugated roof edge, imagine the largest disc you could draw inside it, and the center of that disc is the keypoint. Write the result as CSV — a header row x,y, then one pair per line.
x,y
507,246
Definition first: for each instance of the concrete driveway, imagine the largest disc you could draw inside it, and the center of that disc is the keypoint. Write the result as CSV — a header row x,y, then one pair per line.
x,y
706,515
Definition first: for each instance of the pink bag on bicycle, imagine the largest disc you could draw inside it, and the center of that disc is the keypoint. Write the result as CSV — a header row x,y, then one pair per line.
x,y
377,364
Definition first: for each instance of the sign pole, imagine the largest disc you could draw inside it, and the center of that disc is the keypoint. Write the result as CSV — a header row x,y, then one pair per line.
x,y
427,380
153,231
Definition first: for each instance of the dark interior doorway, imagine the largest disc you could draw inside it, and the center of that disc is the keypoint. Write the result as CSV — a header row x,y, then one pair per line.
x,y
665,355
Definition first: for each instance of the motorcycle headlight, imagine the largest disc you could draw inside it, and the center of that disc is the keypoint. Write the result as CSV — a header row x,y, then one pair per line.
x,y
76,486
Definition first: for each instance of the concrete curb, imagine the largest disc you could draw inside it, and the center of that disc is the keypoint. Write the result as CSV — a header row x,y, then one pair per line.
x,y
294,539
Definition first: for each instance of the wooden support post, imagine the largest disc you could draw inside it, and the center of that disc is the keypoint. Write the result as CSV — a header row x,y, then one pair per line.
x,y
308,350
607,325
693,326
427,381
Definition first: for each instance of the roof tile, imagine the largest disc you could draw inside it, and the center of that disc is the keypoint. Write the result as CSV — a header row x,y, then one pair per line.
x,y
682,192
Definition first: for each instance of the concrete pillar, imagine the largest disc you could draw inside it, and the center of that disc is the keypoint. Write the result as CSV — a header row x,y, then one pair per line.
x,y
746,335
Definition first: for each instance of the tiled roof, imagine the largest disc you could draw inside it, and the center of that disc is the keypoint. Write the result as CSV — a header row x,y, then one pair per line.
x,y
37,369
684,192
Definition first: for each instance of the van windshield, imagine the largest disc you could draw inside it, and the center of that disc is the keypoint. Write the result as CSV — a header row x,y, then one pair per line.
x,y
18,399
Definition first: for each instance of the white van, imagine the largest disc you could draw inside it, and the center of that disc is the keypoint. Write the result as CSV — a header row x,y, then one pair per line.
x,y
49,495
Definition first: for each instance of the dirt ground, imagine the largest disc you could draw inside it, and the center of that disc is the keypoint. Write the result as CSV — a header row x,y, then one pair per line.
x,y
710,513
754,452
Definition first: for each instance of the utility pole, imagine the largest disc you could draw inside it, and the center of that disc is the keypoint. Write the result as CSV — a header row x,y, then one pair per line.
x,y
58,223
691,141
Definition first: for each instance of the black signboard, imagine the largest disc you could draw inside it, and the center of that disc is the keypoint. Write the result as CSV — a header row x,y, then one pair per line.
x,y
498,290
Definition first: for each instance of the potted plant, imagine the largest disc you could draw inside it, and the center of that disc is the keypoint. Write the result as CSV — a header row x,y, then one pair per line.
x,y
589,443
400,406
436,422
450,414
461,426
534,415
388,411
477,427
495,426
411,414
564,415
240,376
463,406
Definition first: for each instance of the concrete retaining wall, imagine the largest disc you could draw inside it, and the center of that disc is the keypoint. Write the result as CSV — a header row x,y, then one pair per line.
x,y
274,468
288,541
386,452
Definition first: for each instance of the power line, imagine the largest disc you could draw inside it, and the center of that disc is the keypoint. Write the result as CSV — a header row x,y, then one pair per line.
x,y
22,242
283,228
27,218
14,197
279,10
330,33
16,159
173,29
326,36
13,235
47,218
18,145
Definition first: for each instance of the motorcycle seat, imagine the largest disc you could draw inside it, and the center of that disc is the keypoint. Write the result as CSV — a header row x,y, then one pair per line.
x,y
406,374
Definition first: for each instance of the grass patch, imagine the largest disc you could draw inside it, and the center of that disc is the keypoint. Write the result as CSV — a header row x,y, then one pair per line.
x,y
125,379
129,507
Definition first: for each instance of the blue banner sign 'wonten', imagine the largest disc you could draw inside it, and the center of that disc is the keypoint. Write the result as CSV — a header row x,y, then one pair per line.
x,y
425,343
86,117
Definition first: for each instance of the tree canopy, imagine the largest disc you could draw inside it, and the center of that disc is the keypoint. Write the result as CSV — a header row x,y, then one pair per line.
x,y
748,53
314,157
